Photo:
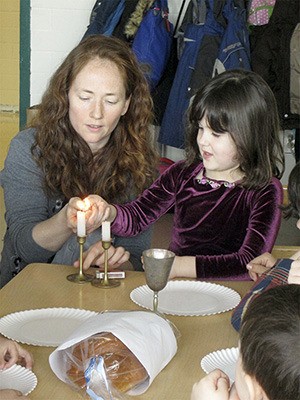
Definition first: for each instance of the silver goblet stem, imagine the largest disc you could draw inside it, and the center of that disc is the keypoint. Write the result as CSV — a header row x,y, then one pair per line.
x,y
157,266
155,301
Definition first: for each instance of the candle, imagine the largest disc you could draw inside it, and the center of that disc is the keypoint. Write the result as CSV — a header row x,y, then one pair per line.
x,y
106,231
81,224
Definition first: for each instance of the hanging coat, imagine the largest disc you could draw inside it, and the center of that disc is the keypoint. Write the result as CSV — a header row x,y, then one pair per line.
x,y
270,56
105,16
198,39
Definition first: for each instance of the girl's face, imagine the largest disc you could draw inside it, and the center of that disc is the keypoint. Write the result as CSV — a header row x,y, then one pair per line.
x,y
97,101
219,154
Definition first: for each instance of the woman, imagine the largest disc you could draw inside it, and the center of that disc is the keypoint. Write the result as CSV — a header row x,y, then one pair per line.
x,y
91,135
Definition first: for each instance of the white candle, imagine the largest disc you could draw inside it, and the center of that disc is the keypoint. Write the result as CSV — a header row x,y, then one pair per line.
x,y
81,232
106,231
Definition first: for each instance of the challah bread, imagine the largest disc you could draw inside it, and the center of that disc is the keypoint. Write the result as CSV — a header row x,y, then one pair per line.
x,y
123,369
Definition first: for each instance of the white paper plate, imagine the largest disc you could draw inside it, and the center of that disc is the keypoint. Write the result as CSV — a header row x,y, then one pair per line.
x,y
222,359
188,298
43,327
18,378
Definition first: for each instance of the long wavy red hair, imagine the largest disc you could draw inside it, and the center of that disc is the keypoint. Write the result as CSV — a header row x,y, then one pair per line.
x,y
128,163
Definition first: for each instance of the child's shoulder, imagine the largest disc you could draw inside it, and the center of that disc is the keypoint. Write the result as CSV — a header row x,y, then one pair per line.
x,y
273,190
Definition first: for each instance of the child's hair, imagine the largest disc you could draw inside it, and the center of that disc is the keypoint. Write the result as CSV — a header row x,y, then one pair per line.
x,y
241,103
270,342
293,208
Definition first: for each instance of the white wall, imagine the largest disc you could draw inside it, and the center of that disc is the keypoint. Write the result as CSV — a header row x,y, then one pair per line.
x,y
56,27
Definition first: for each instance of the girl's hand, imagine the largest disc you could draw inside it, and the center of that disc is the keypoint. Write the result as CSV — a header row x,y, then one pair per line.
x,y
95,256
99,210
12,353
294,274
215,386
260,265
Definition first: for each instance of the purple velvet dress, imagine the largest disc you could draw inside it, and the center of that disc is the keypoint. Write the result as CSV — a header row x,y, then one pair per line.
x,y
223,227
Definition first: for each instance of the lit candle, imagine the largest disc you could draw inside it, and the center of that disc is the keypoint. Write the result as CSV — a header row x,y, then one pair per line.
x,y
81,232
106,231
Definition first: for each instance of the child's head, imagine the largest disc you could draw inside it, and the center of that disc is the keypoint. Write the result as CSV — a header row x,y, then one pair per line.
x,y
293,208
270,346
241,103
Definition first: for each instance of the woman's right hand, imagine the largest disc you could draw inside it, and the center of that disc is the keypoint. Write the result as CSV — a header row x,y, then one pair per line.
x,y
95,256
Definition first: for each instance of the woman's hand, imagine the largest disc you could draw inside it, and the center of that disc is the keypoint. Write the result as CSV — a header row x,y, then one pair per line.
x,y
95,256
97,210
215,386
12,353
294,274
260,265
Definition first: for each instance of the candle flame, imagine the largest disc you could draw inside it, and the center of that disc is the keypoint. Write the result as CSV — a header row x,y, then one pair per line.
x,y
84,205
87,204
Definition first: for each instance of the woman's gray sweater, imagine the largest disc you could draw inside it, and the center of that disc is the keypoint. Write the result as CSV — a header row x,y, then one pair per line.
x,y
27,204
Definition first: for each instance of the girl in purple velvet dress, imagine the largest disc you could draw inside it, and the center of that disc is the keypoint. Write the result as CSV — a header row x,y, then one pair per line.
x,y
226,194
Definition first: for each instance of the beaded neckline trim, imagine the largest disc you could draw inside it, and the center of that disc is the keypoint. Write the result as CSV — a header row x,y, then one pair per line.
x,y
214,184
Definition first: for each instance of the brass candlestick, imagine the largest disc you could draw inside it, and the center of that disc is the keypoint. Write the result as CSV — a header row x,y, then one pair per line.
x,y
80,277
105,283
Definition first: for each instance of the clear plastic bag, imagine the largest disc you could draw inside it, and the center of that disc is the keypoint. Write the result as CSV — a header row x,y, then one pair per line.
x,y
115,354
104,366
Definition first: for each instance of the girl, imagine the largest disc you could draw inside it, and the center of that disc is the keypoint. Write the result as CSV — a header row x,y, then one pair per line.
x,y
226,194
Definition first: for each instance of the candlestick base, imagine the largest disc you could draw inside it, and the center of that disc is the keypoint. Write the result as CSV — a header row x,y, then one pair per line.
x,y
100,283
80,277
77,278
105,283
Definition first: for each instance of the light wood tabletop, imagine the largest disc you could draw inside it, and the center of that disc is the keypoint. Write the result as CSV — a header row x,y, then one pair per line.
x,y
45,285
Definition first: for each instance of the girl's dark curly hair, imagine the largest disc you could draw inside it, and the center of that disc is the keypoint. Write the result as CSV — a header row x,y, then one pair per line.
x,y
241,103
128,163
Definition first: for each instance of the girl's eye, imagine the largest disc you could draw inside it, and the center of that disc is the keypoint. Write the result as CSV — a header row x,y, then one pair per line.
x,y
216,134
84,98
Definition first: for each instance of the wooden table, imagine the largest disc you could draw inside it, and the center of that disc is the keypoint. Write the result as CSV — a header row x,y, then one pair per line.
x,y
44,285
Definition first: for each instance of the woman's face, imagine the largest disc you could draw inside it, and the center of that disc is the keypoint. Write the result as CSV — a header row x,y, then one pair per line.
x,y
96,102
